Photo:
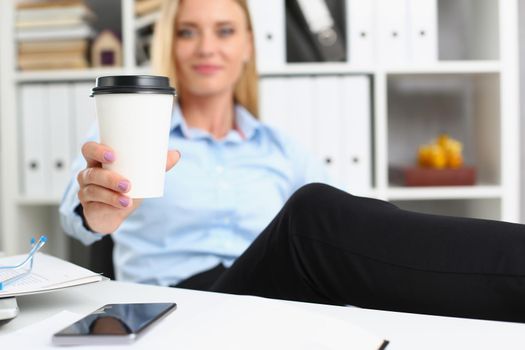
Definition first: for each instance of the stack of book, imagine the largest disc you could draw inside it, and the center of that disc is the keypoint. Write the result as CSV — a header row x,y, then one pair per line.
x,y
145,7
53,34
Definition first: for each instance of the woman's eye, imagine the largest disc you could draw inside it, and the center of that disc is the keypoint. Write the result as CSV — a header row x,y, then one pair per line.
x,y
226,32
185,33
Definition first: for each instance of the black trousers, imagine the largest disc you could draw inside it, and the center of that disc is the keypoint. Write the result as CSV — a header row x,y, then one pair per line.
x,y
327,246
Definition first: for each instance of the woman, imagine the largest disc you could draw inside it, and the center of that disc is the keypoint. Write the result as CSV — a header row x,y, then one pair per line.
x,y
209,214
323,246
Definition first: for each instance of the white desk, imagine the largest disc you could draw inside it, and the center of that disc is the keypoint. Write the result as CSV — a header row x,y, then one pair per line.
x,y
405,331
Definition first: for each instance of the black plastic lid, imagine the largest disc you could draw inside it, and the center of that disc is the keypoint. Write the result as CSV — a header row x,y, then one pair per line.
x,y
133,84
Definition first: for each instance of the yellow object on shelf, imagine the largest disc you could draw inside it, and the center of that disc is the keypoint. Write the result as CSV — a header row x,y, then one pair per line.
x,y
445,152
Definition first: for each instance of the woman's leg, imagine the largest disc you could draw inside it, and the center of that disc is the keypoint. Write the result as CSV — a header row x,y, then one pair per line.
x,y
327,246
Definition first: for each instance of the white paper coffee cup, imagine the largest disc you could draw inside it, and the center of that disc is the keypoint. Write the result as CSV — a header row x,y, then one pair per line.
x,y
134,118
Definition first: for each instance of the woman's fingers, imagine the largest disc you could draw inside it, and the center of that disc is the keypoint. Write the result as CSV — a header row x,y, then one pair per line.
x,y
104,178
104,218
94,193
173,158
96,154
99,185
102,192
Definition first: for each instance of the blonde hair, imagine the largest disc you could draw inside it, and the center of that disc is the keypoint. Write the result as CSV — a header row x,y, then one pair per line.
x,y
246,89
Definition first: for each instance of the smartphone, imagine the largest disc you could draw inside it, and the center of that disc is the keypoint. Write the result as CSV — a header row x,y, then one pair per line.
x,y
113,324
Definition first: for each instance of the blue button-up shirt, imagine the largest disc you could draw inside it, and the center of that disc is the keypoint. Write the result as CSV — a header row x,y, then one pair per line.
x,y
217,199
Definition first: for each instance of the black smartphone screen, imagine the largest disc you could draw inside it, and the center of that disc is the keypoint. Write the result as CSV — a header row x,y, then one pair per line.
x,y
118,319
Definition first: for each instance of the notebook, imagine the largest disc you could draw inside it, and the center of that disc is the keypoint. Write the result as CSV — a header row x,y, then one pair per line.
x,y
49,273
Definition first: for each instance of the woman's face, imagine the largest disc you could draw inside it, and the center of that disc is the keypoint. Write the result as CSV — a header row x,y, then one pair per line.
x,y
213,43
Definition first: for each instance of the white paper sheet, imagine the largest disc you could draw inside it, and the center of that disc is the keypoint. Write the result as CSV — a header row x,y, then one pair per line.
x,y
49,273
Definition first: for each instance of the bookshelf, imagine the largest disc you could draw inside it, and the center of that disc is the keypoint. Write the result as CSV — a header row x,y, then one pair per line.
x,y
475,85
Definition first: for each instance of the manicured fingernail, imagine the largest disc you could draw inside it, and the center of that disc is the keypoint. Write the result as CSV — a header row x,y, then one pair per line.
x,y
123,201
123,185
109,156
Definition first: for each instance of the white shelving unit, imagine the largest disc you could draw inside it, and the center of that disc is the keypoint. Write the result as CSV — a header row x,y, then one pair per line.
x,y
480,86
23,216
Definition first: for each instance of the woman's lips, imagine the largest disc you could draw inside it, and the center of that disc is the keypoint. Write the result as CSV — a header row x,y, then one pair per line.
x,y
206,68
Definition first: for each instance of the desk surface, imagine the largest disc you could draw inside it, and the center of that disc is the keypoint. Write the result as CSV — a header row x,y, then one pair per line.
x,y
405,331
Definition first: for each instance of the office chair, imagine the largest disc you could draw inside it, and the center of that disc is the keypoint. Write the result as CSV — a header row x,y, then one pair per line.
x,y
101,257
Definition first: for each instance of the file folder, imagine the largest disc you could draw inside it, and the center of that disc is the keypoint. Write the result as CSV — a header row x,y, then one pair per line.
x,y
361,31
423,31
273,106
300,100
287,104
356,119
327,112
33,107
59,114
268,19
329,116
392,31
84,117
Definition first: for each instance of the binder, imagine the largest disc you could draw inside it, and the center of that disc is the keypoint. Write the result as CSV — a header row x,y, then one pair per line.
x,y
356,117
392,31
59,114
273,106
300,99
287,104
361,32
329,116
33,106
423,31
83,116
326,111
268,19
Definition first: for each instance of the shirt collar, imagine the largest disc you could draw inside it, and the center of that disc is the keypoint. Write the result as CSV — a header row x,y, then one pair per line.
x,y
245,123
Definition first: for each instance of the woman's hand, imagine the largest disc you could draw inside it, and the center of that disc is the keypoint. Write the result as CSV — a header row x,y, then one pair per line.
x,y
103,192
